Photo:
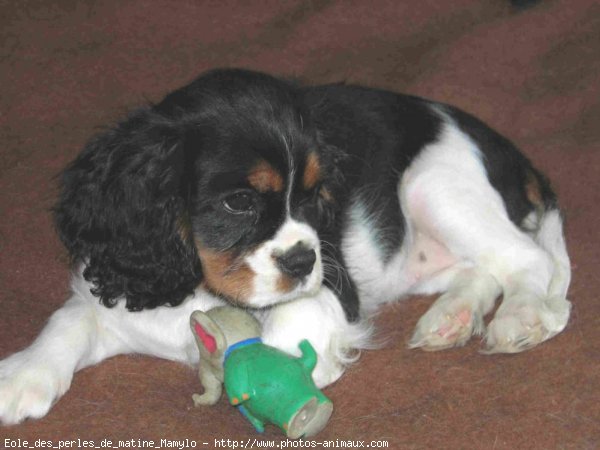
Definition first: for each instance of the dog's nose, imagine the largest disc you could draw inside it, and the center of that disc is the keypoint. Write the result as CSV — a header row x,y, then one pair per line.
x,y
298,261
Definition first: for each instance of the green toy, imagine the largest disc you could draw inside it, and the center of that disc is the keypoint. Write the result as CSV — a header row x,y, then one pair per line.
x,y
267,385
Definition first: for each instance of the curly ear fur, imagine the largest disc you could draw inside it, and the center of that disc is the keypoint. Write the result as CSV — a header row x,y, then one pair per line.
x,y
335,274
122,212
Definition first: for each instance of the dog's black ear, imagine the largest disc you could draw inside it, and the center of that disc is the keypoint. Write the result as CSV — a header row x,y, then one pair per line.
x,y
122,213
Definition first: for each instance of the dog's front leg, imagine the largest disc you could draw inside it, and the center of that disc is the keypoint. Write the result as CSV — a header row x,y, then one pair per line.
x,y
34,378
82,333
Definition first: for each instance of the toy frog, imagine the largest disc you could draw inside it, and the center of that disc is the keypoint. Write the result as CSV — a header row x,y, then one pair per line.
x,y
266,384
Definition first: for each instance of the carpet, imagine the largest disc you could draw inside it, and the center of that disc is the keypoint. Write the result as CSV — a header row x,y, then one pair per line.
x,y
68,68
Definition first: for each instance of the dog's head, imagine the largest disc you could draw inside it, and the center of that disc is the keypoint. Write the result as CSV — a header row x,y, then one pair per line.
x,y
225,183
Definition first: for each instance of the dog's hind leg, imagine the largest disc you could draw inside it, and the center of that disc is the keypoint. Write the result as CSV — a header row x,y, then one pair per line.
x,y
447,197
458,313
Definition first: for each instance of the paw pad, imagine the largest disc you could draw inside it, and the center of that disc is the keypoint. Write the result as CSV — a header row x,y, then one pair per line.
x,y
445,331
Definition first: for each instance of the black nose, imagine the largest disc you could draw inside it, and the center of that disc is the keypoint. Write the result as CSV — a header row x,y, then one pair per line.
x,y
298,261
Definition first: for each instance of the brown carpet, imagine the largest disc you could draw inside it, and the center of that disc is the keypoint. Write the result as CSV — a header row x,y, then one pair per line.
x,y
68,67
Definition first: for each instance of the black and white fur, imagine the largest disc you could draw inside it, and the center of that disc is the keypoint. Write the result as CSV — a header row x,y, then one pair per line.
x,y
361,197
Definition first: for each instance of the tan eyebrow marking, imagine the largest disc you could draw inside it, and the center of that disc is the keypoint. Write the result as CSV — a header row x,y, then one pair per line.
x,y
264,177
312,171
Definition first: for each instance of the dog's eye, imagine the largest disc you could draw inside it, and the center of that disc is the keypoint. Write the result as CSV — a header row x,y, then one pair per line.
x,y
239,203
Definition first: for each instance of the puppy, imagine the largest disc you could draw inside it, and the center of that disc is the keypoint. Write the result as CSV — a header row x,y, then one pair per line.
x,y
311,206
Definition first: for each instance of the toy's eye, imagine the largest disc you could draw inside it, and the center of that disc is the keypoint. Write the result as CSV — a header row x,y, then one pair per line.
x,y
239,203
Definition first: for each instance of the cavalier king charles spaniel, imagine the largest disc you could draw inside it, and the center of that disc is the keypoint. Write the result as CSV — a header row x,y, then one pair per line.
x,y
308,205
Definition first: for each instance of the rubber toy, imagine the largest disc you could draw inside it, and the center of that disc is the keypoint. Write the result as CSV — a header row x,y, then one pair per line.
x,y
265,384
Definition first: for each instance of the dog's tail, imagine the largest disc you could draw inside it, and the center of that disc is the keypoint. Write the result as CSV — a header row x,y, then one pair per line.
x,y
551,238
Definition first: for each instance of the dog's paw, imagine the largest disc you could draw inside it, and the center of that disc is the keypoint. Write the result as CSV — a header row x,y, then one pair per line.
x,y
327,371
441,328
320,320
28,389
522,325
